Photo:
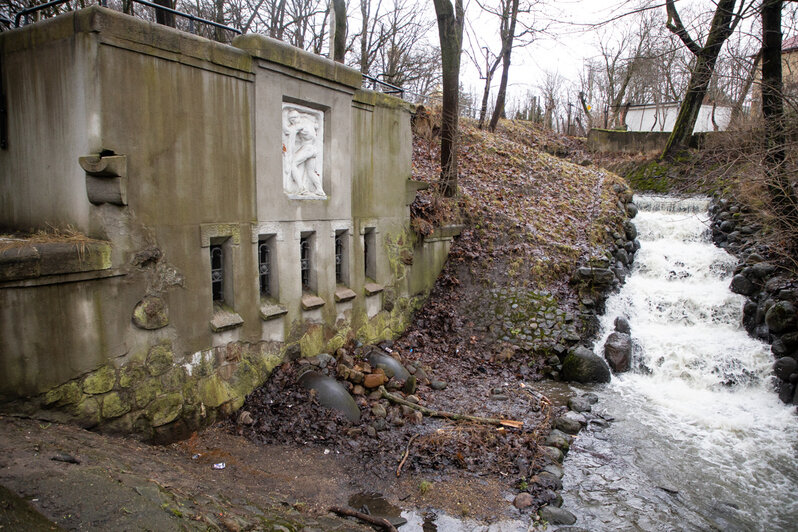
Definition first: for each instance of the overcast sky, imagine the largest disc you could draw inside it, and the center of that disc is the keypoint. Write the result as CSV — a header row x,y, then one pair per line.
x,y
569,42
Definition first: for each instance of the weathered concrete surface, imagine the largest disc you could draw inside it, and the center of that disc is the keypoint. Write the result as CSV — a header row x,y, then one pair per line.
x,y
169,144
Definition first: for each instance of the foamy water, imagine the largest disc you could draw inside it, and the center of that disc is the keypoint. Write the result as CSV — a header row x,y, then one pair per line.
x,y
700,440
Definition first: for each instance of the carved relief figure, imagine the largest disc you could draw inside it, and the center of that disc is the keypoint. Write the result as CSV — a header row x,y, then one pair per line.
x,y
302,152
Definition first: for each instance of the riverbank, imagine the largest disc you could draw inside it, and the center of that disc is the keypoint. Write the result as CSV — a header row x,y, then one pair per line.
x,y
502,317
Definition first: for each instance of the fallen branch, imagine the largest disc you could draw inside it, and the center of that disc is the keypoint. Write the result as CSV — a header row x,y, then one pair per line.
x,y
407,453
366,518
450,415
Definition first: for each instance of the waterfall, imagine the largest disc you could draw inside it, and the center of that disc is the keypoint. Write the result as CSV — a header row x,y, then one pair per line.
x,y
699,438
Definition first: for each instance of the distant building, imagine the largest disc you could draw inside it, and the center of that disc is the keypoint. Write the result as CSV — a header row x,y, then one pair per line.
x,y
789,65
661,117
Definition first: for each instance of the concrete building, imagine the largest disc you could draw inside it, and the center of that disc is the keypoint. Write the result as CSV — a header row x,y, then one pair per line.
x,y
662,117
240,204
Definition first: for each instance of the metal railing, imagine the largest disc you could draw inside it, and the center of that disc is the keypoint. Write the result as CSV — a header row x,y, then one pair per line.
x,y
191,18
383,86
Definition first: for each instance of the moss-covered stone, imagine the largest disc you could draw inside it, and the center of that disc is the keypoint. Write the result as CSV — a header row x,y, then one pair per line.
x,y
312,342
146,391
160,359
66,394
124,424
132,374
190,393
651,177
151,313
114,406
165,409
270,362
173,380
87,412
213,391
101,381
246,378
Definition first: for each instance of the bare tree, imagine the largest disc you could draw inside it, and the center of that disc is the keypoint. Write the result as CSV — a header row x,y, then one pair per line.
x,y
450,29
551,88
722,26
491,61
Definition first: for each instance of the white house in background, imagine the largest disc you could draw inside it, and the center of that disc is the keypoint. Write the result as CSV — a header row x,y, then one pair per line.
x,y
662,117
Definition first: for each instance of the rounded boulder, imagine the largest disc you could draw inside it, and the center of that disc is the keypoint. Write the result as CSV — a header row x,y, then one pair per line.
x,y
582,365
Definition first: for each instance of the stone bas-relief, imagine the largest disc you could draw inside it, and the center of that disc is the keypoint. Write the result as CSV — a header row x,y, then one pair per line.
x,y
303,142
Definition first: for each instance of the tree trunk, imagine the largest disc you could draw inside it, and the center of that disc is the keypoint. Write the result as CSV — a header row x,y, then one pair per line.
x,y
338,31
450,30
507,48
218,33
162,17
778,181
737,110
483,110
701,74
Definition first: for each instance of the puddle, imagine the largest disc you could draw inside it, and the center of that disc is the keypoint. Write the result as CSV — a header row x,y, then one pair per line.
x,y
411,520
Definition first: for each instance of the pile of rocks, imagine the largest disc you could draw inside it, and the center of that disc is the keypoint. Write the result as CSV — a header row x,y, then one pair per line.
x,y
558,443
770,310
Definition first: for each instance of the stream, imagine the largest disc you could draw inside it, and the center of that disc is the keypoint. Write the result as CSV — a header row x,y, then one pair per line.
x,y
699,440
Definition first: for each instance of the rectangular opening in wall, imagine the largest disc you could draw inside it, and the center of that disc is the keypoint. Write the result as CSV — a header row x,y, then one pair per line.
x,y
267,273
342,257
217,273
370,253
306,261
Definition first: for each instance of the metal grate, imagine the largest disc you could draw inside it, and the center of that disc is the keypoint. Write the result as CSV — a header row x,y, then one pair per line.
x,y
366,253
339,258
265,268
304,261
217,272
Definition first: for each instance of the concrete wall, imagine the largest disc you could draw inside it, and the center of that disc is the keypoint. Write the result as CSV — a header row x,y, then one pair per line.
x,y
608,141
159,145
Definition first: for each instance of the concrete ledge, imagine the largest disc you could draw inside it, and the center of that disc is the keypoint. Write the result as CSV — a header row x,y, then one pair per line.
x,y
411,188
380,99
226,230
224,318
284,54
103,21
270,310
32,260
311,301
372,289
446,232
343,293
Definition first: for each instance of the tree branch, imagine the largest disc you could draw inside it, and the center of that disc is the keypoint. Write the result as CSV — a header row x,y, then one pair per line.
x,y
675,25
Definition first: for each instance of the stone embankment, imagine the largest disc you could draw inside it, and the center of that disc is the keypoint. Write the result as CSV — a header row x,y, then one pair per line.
x,y
771,291
593,283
